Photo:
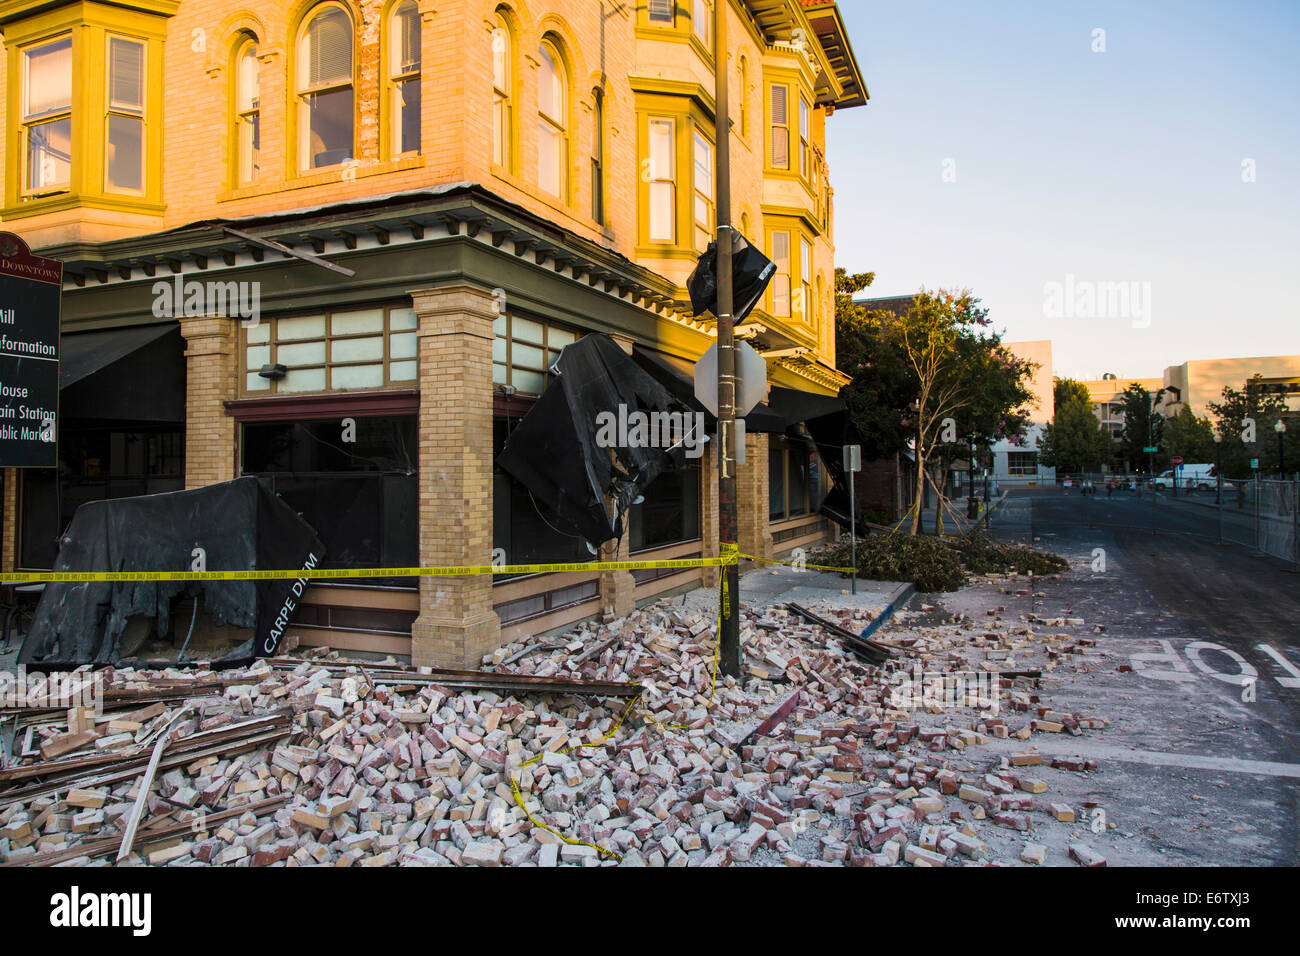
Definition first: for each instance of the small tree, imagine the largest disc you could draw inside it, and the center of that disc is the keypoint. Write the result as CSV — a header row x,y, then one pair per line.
x,y
1143,426
1250,413
1190,437
1076,440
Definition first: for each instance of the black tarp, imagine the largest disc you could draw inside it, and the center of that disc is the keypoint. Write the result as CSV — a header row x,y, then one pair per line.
x,y
553,450
240,525
751,271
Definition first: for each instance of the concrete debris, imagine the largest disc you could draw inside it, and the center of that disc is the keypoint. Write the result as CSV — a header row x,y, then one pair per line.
x,y
818,757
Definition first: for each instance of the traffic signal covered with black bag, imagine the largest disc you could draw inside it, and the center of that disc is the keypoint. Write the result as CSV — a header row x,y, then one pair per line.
x,y
751,271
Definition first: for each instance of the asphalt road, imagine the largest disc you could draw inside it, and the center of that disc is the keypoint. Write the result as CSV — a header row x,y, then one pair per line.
x,y
1206,737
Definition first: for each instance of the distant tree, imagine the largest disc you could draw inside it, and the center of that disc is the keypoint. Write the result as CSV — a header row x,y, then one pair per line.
x,y
1068,389
1143,426
1252,412
1190,437
1076,440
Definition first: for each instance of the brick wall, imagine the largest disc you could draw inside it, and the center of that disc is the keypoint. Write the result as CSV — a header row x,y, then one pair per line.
x,y
211,359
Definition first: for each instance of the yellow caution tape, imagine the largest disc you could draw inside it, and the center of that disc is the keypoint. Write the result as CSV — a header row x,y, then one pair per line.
x,y
795,564
328,573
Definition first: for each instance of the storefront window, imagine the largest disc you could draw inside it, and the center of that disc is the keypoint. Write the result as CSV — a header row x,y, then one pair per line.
x,y
794,477
95,464
358,489
522,526
670,512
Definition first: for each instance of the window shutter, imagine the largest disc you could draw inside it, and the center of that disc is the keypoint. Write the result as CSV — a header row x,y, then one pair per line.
x,y
125,74
408,38
780,131
329,49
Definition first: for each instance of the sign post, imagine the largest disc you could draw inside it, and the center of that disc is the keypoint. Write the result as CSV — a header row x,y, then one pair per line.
x,y
30,290
852,465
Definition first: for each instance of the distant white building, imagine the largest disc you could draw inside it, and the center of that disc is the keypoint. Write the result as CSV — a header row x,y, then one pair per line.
x,y
1017,462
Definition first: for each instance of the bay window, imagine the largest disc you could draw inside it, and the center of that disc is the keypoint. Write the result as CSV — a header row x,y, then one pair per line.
x,y
47,115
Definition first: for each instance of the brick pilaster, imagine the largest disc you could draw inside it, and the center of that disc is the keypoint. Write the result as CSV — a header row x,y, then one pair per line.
x,y
456,624
9,523
751,495
211,364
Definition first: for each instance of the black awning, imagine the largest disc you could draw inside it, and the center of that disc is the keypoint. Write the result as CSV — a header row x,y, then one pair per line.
x,y
678,377
130,374
82,354
795,406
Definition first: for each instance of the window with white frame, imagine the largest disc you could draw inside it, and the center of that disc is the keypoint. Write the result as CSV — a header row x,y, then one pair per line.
x,y
248,139
47,115
702,20
326,113
359,348
805,139
807,304
124,120
780,131
552,114
781,278
404,78
703,187
660,11
502,70
662,181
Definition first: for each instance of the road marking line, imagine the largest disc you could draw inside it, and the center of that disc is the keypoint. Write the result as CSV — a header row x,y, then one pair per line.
x,y
1294,680
1159,758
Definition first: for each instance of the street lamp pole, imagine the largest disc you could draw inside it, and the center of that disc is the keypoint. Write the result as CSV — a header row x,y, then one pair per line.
x,y
1218,481
1280,428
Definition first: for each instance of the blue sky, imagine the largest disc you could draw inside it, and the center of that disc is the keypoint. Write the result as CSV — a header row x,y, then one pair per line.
x,y
1116,166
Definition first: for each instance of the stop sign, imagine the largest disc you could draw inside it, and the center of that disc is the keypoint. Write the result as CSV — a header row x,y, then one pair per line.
x,y
1176,460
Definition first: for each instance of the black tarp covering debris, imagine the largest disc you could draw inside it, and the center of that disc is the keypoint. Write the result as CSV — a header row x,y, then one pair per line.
x,y
553,451
751,271
240,525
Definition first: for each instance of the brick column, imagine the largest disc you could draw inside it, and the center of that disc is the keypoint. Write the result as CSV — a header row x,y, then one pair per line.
x,y
211,364
618,588
456,625
751,495
9,523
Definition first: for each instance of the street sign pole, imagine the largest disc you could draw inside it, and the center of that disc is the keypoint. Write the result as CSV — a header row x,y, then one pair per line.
x,y
853,465
728,523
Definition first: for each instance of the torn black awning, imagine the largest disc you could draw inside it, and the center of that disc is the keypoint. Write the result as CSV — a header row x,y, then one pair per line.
x,y
240,525
81,354
554,450
678,376
127,374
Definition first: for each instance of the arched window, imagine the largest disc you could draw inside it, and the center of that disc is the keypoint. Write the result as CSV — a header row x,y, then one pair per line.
x,y
502,86
404,77
326,115
598,156
552,125
248,140
743,68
